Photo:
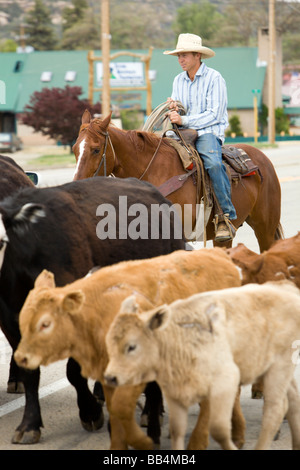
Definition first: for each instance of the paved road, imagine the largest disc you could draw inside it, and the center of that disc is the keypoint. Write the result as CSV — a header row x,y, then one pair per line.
x,y
58,401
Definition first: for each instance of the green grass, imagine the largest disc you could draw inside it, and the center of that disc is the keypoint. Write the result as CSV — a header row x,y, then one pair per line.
x,y
54,160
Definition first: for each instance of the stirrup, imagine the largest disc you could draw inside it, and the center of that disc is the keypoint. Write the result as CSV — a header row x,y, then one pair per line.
x,y
224,218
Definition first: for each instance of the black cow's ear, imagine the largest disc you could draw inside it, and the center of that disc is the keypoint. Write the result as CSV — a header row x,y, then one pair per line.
x,y
30,213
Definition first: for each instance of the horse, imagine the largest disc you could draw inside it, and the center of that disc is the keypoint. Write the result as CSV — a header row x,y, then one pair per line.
x,y
102,148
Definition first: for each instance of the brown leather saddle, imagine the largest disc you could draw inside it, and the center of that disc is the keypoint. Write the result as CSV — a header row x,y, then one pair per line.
x,y
238,161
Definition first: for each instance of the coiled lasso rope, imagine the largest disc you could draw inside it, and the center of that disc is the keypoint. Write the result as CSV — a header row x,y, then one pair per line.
x,y
158,119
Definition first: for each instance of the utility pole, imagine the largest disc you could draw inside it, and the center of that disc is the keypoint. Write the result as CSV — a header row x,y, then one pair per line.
x,y
271,72
105,57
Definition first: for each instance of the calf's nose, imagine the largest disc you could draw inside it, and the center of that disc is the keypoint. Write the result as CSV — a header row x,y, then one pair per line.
x,y
111,380
21,359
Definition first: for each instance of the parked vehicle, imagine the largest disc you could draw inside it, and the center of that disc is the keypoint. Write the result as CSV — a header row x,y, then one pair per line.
x,y
10,142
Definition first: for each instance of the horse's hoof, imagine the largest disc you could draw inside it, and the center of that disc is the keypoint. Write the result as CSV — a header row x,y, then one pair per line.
x,y
15,387
28,437
92,426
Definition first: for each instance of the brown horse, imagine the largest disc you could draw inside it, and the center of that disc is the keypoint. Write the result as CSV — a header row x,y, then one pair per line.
x,y
103,149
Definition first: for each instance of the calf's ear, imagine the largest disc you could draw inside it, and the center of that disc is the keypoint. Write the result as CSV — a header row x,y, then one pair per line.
x,y
129,305
73,301
45,279
159,318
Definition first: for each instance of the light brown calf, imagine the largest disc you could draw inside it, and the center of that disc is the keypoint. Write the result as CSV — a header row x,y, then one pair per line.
x,y
281,261
72,321
191,347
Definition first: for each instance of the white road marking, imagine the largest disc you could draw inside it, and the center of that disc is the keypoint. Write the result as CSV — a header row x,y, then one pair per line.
x,y
43,392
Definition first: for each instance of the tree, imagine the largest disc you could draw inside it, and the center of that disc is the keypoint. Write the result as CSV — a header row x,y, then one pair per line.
x,y
84,34
56,112
203,20
39,28
235,126
74,14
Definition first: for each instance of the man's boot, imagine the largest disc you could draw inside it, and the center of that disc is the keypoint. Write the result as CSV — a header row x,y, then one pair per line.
x,y
224,228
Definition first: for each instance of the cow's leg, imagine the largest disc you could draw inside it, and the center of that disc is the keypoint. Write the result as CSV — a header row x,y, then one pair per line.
x,y
257,390
200,434
28,432
238,423
276,384
293,414
178,417
90,410
154,408
222,399
14,384
121,408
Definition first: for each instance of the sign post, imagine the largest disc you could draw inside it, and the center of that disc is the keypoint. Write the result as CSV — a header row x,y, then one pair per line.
x,y
255,110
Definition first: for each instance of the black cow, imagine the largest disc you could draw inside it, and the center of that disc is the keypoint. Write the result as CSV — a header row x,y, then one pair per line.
x,y
55,228
12,177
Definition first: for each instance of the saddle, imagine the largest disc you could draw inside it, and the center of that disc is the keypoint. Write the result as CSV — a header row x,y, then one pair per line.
x,y
238,161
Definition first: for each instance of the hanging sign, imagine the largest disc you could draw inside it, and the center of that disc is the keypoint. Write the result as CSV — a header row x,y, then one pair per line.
x,y
122,74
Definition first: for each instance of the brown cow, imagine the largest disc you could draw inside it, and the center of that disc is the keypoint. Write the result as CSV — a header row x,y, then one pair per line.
x,y
281,261
72,321
205,345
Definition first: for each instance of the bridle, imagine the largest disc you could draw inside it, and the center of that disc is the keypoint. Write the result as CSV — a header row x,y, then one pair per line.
x,y
103,158
107,140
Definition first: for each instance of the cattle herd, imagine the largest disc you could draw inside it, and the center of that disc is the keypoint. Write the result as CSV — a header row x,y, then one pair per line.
x,y
142,314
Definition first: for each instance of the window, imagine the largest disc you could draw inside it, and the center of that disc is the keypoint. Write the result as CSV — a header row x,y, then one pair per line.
x,y
46,76
70,76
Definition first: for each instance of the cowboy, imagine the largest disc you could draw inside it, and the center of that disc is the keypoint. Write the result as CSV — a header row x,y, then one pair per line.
x,y
202,91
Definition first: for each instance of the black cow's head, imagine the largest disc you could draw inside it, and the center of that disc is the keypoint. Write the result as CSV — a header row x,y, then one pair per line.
x,y
17,220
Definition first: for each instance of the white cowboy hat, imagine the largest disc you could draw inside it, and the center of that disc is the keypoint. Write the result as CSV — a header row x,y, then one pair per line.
x,y
191,43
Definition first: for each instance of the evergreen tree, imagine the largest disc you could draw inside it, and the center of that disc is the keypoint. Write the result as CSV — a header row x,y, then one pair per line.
x,y
39,28
74,14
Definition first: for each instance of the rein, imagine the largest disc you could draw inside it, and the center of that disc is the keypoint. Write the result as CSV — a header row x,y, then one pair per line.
x,y
149,164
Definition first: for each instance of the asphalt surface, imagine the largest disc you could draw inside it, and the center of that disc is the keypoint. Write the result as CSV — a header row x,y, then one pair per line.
x,y
62,429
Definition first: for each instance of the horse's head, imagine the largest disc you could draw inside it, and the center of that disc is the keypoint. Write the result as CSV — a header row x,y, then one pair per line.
x,y
92,146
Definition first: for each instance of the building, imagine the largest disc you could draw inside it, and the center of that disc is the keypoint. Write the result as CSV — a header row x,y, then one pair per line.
x,y
21,74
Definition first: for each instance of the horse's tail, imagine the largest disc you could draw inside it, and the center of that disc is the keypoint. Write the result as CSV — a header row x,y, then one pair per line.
x,y
279,235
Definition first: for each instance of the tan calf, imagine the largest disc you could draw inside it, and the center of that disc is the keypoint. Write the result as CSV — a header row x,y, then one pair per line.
x,y
186,347
72,321
281,261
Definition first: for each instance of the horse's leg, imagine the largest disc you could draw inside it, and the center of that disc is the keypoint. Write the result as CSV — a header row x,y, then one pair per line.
x,y
90,410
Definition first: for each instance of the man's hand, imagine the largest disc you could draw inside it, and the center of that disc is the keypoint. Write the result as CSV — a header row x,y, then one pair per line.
x,y
174,117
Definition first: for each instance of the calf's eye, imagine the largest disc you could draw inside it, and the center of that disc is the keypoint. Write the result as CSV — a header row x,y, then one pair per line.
x,y
44,325
131,348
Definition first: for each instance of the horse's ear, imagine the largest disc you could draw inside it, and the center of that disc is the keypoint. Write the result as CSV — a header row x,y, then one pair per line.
x,y
86,117
106,121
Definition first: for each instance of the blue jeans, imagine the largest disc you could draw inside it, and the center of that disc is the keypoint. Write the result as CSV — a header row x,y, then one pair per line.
x,y
209,148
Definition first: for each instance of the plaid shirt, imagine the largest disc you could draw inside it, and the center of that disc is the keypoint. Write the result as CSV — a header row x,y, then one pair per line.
x,y
205,100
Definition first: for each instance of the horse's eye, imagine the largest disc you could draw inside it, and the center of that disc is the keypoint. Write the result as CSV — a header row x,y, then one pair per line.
x,y
96,151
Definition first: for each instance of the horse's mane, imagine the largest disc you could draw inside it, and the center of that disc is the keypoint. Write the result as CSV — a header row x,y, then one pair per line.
x,y
138,139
